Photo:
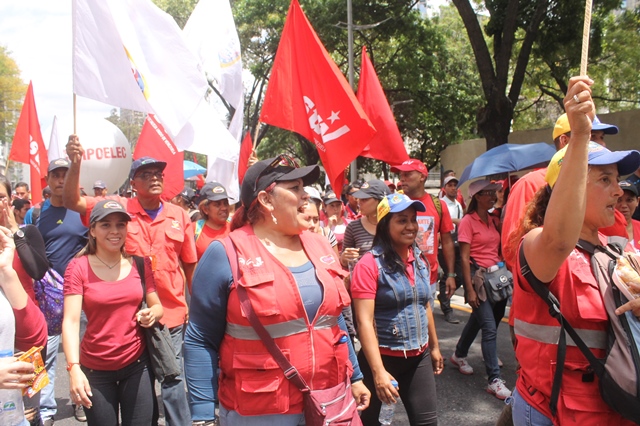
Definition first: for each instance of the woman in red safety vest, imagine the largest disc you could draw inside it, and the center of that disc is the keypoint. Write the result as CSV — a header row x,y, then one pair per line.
x,y
579,198
293,280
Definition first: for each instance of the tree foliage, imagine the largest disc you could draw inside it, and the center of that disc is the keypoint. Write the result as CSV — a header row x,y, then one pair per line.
x,y
548,30
12,91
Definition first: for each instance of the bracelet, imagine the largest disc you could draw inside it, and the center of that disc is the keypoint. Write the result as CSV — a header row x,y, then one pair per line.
x,y
71,364
452,275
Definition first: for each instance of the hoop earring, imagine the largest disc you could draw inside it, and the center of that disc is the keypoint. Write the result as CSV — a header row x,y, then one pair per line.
x,y
275,221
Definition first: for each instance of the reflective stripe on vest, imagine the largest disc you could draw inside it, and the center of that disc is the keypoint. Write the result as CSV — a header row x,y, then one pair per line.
x,y
283,329
550,334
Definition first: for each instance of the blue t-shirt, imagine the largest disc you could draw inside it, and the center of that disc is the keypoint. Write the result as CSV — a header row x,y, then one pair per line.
x,y
64,235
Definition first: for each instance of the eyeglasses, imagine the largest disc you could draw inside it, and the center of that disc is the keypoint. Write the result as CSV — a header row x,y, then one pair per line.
x,y
486,192
282,162
150,175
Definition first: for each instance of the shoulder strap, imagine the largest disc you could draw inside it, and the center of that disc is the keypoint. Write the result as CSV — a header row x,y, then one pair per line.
x,y
199,226
290,372
139,261
554,310
437,203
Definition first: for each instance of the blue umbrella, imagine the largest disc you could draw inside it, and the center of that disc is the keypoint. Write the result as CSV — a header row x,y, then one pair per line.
x,y
509,158
192,169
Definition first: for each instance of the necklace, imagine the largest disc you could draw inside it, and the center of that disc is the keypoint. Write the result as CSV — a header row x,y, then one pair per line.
x,y
106,264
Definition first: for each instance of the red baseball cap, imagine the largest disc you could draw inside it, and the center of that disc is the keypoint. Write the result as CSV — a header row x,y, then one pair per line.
x,y
411,165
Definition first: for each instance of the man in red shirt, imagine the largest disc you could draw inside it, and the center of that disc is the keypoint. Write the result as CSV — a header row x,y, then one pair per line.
x,y
162,232
413,173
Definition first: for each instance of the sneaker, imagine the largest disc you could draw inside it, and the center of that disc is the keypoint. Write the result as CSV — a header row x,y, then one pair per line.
x,y
462,364
79,413
448,317
48,422
498,389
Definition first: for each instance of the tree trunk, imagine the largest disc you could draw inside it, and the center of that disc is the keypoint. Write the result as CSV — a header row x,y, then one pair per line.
x,y
494,119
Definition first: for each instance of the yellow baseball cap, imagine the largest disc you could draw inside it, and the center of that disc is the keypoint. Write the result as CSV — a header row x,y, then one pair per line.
x,y
561,127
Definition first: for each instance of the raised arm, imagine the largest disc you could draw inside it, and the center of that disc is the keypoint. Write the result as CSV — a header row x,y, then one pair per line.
x,y
546,248
71,196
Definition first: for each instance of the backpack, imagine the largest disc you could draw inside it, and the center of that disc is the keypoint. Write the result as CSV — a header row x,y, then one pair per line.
x,y
619,371
49,292
438,204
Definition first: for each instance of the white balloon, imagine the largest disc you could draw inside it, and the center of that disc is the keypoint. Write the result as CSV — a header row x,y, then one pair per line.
x,y
107,154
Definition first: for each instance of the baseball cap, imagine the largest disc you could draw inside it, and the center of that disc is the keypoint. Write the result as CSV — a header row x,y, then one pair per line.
x,y
411,165
99,184
373,188
562,126
330,197
314,194
449,179
625,185
213,191
60,163
143,163
395,203
627,161
280,168
483,185
104,208
188,193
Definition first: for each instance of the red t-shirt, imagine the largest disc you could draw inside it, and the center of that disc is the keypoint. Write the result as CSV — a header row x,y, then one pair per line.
x,y
208,235
364,285
483,238
427,239
113,338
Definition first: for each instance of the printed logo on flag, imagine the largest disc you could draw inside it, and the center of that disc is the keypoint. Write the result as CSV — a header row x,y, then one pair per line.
x,y
326,132
142,82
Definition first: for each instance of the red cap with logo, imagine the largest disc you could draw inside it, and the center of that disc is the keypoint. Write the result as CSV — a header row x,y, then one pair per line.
x,y
409,166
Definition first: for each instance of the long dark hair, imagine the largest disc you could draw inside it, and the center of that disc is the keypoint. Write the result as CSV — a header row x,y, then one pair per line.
x,y
390,258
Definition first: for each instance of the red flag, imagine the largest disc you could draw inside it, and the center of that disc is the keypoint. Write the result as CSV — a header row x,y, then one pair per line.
x,y
308,94
156,143
28,145
387,144
245,152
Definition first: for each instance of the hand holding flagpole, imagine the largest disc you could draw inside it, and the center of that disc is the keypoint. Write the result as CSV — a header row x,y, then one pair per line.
x,y
585,38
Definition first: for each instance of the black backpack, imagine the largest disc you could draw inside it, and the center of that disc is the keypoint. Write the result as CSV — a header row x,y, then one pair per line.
x,y
619,371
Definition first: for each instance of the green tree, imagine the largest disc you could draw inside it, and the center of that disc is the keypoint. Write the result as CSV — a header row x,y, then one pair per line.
x,y
130,122
519,31
12,91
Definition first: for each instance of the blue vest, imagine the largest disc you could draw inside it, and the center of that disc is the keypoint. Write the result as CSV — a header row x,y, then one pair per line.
x,y
400,308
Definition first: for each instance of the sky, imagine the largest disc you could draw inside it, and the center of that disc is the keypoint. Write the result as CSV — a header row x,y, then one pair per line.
x,y
38,35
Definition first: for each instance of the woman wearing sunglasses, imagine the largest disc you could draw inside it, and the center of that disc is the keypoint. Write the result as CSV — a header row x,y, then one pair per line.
x,y
479,239
293,281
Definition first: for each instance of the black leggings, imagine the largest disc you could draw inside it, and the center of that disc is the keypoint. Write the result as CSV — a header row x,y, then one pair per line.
x,y
417,388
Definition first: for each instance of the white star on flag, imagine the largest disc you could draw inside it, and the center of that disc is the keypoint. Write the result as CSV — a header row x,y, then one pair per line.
x,y
334,116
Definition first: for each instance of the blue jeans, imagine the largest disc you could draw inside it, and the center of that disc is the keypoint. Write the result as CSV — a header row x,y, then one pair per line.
x,y
232,418
174,396
128,390
524,414
433,287
483,318
48,407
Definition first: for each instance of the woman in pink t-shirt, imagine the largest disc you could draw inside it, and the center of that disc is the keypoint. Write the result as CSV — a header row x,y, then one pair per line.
x,y
109,372
479,239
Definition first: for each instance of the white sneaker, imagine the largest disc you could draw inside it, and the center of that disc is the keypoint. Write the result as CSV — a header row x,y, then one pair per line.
x,y
497,387
462,364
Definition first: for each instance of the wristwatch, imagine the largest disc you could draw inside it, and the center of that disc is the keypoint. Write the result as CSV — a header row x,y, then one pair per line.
x,y
18,234
452,275
71,364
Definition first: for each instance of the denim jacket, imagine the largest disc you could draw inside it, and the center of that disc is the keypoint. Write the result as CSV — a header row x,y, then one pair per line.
x,y
400,308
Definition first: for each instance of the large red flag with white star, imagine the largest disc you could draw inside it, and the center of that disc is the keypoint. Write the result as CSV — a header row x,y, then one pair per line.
x,y
308,94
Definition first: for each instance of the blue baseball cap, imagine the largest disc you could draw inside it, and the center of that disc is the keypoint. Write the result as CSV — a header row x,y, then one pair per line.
x,y
143,163
396,203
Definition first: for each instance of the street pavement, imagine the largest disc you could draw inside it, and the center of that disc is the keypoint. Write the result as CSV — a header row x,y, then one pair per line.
x,y
462,400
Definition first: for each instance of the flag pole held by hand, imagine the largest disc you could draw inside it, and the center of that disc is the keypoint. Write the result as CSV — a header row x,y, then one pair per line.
x,y
585,38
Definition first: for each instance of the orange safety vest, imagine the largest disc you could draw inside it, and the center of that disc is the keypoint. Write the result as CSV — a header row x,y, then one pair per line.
x,y
251,382
537,334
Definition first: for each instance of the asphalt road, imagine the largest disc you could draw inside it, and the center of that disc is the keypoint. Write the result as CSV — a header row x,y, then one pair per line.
x,y
462,400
